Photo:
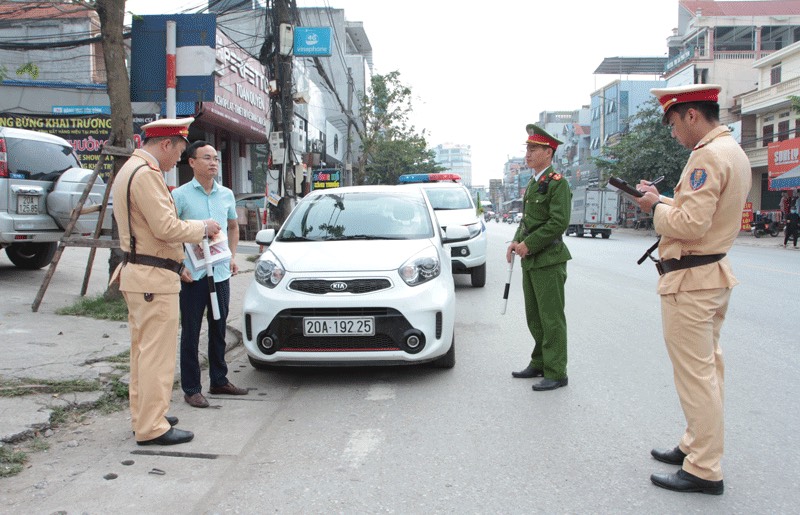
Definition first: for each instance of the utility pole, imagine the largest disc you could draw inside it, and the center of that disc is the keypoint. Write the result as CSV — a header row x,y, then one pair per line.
x,y
282,102
348,166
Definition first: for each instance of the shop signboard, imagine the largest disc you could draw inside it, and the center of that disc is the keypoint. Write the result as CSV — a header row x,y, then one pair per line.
x,y
86,134
747,216
312,41
784,164
325,178
241,93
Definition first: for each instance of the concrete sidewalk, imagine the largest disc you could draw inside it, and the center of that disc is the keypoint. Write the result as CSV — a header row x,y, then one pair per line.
x,y
47,346
44,345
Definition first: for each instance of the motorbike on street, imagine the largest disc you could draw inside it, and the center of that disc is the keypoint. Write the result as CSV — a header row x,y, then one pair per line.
x,y
766,226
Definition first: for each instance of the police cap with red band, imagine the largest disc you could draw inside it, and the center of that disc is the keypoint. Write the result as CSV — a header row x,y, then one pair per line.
x,y
669,97
168,128
538,136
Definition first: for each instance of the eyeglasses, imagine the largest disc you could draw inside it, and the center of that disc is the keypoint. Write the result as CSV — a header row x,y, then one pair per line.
x,y
210,159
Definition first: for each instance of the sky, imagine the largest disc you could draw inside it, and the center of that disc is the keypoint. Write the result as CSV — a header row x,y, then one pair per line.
x,y
480,72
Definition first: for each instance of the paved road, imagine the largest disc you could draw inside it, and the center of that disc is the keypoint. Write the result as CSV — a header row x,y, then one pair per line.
x,y
470,439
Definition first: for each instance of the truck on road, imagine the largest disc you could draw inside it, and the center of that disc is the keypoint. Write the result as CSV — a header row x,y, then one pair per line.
x,y
594,210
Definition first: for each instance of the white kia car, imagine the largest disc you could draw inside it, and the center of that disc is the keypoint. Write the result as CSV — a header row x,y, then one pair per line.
x,y
355,276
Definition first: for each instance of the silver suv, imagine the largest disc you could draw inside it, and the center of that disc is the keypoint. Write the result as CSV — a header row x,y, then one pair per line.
x,y
41,180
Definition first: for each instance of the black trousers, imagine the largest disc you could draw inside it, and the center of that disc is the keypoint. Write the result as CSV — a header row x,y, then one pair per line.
x,y
194,301
790,234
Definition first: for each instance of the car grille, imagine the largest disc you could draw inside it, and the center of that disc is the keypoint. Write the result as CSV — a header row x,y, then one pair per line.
x,y
337,312
297,343
354,286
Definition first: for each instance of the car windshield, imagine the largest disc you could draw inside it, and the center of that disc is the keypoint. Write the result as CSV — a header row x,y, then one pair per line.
x,y
38,160
358,216
448,198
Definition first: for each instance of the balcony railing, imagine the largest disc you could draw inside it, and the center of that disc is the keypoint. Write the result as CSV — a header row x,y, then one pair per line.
x,y
779,91
757,156
691,53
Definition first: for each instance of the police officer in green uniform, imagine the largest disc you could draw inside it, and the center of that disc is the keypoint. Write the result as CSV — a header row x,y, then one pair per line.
x,y
538,243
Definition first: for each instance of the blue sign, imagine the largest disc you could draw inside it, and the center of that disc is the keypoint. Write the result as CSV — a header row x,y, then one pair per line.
x,y
72,110
312,41
149,56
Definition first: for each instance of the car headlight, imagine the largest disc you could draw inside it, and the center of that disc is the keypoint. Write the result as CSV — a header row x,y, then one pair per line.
x,y
474,229
269,271
421,268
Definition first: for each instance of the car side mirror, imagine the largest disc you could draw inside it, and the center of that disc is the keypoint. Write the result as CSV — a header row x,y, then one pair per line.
x,y
265,236
454,234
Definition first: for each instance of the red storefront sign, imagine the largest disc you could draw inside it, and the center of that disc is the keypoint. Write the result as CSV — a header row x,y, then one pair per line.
x,y
784,164
747,216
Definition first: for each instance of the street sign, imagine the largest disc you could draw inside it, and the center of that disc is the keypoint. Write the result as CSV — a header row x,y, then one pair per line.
x,y
312,41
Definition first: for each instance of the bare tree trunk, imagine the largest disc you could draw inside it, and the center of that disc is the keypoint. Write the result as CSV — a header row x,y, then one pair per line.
x,y
112,14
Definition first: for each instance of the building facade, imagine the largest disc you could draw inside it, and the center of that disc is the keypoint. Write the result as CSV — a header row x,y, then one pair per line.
x,y
330,89
731,44
457,159
770,123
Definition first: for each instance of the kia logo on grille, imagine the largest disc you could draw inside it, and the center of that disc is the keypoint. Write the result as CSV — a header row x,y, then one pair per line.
x,y
340,286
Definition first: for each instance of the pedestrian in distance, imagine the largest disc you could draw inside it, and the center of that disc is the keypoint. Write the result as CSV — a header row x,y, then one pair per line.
x,y
203,197
151,237
543,256
792,227
697,228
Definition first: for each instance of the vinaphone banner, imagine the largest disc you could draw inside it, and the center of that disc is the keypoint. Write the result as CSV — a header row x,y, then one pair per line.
x,y
86,134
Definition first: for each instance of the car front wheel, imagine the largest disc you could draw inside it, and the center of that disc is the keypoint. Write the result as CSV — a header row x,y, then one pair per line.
x,y
31,256
478,276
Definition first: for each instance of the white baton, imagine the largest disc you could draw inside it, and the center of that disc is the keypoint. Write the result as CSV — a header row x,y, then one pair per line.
x,y
508,283
212,287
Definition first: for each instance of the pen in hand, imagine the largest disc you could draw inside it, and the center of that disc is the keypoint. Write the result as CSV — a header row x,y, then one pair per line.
x,y
655,181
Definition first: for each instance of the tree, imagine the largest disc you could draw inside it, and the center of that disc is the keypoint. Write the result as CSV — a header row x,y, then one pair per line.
x,y
112,16
646,151
390,145
795,103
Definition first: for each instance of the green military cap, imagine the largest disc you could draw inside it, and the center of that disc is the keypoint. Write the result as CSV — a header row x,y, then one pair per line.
x,y
539,136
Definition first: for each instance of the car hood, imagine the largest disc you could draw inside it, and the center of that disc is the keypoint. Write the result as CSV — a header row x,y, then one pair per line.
x,y
456,217
347,256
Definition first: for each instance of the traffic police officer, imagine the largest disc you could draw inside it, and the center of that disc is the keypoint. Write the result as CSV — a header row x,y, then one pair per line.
x,y
696,228
152,236
538,242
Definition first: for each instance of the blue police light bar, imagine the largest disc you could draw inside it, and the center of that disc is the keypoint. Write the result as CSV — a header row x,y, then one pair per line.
x,y
429,177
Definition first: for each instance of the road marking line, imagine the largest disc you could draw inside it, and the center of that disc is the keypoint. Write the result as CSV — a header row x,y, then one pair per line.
x,y
362,442
381,392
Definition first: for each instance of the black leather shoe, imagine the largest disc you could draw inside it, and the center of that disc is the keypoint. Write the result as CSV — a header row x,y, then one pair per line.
x,y
172,437
682,481
528,372
549,384
173,421
672,456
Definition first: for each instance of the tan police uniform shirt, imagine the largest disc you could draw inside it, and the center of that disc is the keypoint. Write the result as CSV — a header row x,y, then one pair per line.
x,y
705,215
155,224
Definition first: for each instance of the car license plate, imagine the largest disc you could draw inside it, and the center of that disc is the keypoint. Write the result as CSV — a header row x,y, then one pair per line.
x,y
27,205
343,326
